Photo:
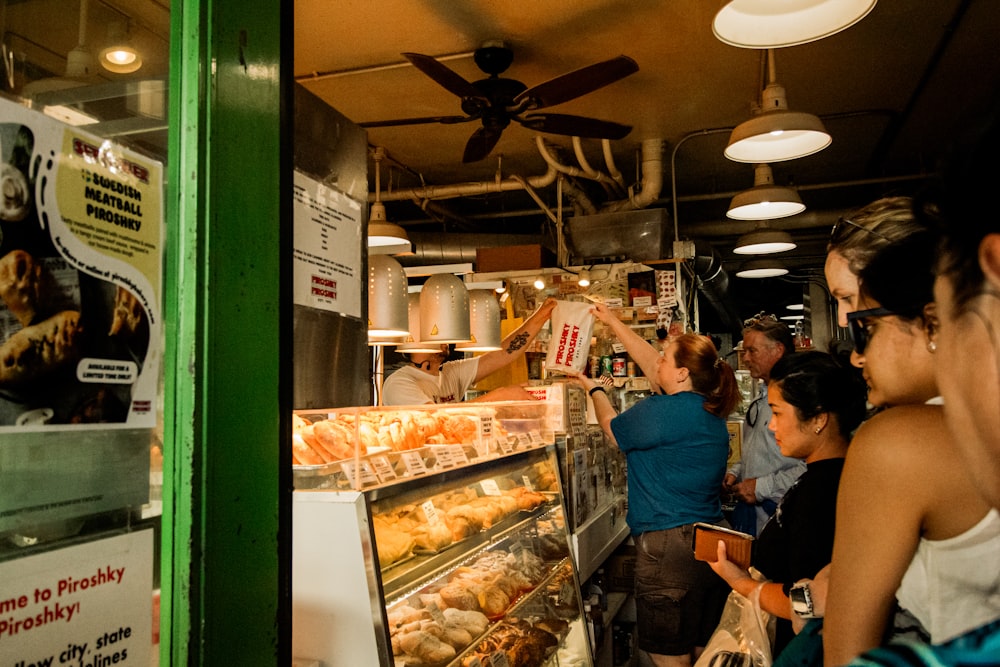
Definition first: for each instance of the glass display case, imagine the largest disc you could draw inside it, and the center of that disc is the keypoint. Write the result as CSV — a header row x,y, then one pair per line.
x,y
466,565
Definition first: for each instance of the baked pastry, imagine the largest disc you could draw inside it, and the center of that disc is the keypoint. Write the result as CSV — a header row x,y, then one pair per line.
x,y
21,285
15,194
425,646
128,316
39,349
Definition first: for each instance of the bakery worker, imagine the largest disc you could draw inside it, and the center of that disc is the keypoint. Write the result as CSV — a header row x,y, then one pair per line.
x,y
429,378
762,475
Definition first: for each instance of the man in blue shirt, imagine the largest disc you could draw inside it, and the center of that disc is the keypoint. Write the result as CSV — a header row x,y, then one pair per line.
x,y
762,475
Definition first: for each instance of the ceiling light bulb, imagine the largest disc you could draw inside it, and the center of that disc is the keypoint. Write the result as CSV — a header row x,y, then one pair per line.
x,y
584,280
539,283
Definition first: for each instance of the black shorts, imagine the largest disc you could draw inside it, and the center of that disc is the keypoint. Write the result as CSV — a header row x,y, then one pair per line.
x,y
678,599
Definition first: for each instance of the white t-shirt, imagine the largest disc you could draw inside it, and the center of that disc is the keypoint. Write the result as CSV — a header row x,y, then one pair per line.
x,y
953,585
411,386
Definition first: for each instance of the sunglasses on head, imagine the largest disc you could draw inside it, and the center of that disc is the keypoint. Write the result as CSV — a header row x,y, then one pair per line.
x,y
841,227
858,330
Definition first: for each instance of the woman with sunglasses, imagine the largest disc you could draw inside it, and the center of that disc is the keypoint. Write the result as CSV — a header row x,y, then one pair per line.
x,y
816,404
910,525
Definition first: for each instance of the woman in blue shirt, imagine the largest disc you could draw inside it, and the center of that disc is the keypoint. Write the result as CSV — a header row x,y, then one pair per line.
x,y
676,445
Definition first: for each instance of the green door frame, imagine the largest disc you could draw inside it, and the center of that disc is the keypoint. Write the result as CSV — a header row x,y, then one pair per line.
x,y
226,555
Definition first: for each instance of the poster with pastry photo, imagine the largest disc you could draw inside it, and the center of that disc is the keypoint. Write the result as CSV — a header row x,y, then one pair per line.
x,y
81,241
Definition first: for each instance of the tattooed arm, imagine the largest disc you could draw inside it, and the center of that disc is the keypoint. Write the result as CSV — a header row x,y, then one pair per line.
x,y
514,345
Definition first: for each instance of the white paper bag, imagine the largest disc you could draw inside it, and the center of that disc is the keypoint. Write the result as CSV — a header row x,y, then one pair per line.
x,y
572,326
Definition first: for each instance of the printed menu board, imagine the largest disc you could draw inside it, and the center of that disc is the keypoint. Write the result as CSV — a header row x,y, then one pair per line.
x,y
81,247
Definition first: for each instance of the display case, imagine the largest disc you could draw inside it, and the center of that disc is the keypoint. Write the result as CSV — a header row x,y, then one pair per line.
x,y
467,565
364,448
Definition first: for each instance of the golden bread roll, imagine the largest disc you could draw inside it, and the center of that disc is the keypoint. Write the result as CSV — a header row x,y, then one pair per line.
x,y
457,596
425,646
334,438
21,285
303,454
473,621
128,316
392,545
41,348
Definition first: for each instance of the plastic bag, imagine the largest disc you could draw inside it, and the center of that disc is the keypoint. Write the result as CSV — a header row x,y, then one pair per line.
x,y
572,326
742,638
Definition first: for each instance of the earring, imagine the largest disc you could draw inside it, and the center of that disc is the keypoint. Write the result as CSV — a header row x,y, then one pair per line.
x,y
931,347
819,429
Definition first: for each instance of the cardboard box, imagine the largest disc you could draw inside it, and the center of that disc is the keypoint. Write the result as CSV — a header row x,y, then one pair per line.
x,y
513,258
735,428
620,569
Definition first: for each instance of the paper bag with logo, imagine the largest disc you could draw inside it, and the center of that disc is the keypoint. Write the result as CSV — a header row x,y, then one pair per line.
x,y
572,325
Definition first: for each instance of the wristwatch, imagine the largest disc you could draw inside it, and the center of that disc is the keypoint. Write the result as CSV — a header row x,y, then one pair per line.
x,y
802,602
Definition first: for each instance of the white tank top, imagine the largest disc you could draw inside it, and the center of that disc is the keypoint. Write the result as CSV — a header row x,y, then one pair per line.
x,y
953,585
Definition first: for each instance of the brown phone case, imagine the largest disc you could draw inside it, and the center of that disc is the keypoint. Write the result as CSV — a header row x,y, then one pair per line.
x,y
706,540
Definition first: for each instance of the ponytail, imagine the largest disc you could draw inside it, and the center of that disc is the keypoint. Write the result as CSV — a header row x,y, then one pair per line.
x,y
711,377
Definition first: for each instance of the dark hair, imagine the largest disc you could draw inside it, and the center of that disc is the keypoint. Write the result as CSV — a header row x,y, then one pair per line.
x,y
869,229
901,276
815,382
774,330
969,186
711,377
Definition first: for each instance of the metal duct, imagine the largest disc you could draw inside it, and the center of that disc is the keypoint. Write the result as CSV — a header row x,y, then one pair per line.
x,y
449,248
713,284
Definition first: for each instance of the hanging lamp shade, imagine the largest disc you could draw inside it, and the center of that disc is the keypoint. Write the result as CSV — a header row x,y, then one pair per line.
x,y
765,200
412,341
764,241
387,294
384,237
120,56
444,310
761,268
776,134
764,24
484,322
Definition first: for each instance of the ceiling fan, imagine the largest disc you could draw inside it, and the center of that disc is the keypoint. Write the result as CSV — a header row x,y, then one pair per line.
x,y
496,101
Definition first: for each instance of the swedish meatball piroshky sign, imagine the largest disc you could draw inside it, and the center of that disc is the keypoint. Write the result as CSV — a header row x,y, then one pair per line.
x,y
81,226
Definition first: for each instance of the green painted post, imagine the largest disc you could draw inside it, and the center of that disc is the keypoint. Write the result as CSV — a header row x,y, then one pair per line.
x,y
226,545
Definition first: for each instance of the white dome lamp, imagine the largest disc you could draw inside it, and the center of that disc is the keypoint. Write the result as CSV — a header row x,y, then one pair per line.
x,y
765,24
776,134
764,241
765,200
384,237
444,310
484,322
387,295
761,268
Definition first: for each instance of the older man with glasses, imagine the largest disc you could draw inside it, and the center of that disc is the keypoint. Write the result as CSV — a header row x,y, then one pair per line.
x,y
762,475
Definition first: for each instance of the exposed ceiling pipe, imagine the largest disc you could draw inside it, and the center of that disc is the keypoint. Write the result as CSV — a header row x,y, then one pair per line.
x,y
458,248
468,189
543,150
609,160
604,179
652,180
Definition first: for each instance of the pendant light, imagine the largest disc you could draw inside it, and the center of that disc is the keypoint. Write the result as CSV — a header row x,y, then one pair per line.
x,y
412,341
387,294
764,241
484,322
765,200
384,237
775,133
444,310
761,268
764,24
120,56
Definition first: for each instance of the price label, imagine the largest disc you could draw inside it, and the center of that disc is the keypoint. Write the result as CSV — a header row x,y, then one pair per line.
x,y
507,444
535,438
414,463
436,614
444,457
458,456
363,473
490,487
383,469
524,440
475,662
617,347
433,518
486,426
527,483
615,302
517,550
499,659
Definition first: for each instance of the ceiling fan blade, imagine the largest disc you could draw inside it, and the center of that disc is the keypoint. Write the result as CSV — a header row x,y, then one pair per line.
x,y
574,126
447,120
576,83
444,76
481,143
